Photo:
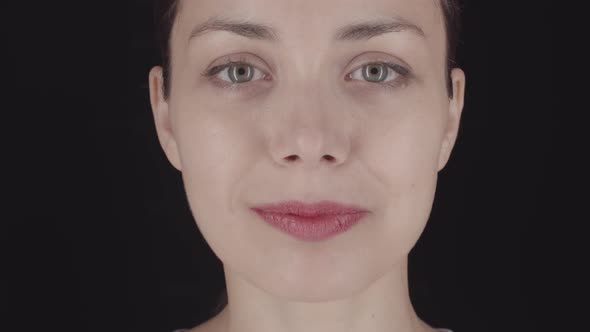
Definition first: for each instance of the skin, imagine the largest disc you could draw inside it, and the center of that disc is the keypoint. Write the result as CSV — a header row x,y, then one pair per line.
x,y
269,141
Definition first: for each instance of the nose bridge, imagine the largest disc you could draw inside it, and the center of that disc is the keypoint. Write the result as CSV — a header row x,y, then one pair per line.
x,y
307,94
303,71
305,74
302,84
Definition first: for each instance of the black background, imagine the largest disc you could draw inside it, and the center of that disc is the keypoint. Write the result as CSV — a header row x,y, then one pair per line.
x,y
98,234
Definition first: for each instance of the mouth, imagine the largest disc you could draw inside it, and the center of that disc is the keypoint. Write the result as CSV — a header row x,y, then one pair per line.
x,y
311,221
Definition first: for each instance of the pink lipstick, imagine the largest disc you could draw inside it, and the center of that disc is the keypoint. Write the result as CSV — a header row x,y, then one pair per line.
x,y
311,222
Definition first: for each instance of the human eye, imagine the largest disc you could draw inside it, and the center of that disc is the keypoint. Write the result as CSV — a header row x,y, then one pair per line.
x,y
382,74
234,74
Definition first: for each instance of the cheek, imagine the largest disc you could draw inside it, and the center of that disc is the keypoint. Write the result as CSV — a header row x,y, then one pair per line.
x,y
215,150
403,156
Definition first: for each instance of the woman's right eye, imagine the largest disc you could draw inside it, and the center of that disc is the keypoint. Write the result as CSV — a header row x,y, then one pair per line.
x,y
235,73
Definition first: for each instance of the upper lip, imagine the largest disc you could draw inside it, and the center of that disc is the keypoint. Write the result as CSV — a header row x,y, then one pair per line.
x,y
300,208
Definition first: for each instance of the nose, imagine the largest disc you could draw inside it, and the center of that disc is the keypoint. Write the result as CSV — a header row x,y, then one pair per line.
x,y
310,132
311,147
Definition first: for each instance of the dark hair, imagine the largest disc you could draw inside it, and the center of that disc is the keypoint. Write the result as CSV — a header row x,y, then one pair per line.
x,y
165,14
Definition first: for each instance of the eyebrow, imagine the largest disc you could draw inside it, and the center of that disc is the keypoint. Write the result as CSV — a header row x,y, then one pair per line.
x,y
363,30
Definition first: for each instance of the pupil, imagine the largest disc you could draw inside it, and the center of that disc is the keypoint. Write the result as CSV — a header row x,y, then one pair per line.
x,y
241,71
374,70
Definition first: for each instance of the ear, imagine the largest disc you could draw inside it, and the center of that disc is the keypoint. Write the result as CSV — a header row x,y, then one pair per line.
x,y
162,117
454,116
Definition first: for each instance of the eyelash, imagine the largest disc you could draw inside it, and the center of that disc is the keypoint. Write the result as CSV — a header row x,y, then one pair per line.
x,y
403,72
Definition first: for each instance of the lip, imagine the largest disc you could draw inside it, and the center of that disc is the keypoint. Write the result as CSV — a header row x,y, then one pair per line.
x,y
311,221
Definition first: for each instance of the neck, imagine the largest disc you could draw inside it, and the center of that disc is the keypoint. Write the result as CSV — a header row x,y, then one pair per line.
x,y
383,306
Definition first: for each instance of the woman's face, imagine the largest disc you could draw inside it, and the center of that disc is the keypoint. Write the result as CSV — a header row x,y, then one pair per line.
x,y
308,125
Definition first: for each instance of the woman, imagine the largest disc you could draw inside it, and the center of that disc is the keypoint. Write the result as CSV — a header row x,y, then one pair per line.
x,y
309,135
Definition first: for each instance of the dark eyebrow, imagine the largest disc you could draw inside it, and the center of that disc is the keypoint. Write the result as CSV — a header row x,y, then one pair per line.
x,y
357,31
369,29
242,28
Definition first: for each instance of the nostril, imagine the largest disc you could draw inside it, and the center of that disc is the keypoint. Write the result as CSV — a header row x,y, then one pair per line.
x,y
295,157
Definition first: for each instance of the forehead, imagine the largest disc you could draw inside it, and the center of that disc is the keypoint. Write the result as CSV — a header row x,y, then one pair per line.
x,y
310,19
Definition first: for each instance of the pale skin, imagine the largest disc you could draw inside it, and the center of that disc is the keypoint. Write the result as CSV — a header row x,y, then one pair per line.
x,y
309,134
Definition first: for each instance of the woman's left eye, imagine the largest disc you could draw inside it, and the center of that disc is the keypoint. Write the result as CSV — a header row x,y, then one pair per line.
x,y
380,72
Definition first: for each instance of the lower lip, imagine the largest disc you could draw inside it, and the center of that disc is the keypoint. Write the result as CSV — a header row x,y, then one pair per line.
x,y
316,228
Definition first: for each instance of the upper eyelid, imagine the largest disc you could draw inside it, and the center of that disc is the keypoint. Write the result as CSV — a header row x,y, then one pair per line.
x,y
406,70
227,61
